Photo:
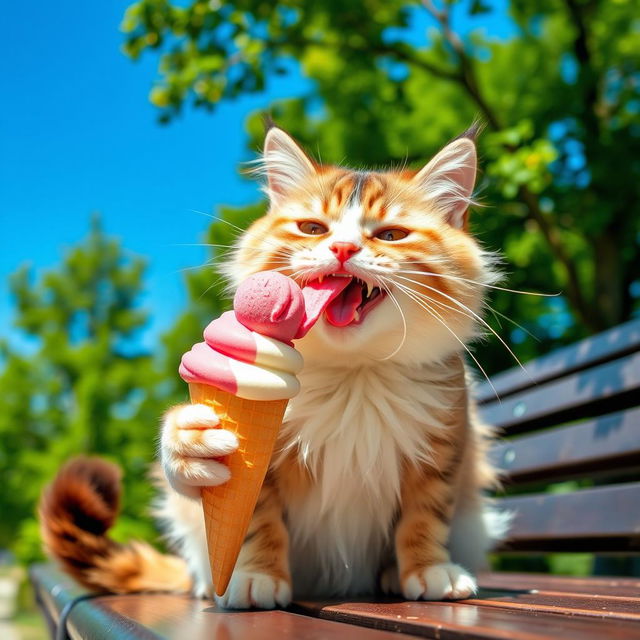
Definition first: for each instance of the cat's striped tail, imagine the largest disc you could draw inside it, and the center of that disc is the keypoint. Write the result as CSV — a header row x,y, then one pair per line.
x,y
77,510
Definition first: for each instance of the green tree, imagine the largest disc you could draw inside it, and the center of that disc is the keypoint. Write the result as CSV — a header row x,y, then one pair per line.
x,y
561,154
206,291
79,385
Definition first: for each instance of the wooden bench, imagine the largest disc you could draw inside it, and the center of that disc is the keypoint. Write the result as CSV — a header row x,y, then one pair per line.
x,y
575,415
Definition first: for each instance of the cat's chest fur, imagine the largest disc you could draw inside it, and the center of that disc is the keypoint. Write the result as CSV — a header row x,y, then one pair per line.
x,y
352,431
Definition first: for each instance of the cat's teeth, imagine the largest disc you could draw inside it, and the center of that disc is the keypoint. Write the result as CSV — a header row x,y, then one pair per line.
x,y
370,289
320,279
357,316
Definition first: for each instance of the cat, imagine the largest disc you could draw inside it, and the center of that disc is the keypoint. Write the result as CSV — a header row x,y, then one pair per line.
x,y
378,475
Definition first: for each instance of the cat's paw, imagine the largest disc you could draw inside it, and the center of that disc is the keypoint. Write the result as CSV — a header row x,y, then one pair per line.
x,y
252,589
189,443
446,581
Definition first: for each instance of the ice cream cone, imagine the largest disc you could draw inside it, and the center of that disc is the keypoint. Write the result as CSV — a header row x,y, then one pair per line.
x,y
246,371
228,508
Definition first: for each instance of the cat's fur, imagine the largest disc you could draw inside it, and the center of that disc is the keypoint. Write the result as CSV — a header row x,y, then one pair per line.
x,y
380,464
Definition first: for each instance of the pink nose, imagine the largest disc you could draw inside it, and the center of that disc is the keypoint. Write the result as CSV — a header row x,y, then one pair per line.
x,y
344,250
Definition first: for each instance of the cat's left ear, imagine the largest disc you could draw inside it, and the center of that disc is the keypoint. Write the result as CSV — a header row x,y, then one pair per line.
x,y
285,164
449,178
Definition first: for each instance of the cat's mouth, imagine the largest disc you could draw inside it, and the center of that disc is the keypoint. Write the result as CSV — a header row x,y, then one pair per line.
x,y
353,303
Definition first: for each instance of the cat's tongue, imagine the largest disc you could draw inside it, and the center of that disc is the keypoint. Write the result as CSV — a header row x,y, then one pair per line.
x,y
319,296
342,309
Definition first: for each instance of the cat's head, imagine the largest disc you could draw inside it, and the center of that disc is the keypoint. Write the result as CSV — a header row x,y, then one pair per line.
x,y
416,274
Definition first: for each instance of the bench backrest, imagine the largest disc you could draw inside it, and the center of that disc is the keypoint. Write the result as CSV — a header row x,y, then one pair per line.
x,y
573,415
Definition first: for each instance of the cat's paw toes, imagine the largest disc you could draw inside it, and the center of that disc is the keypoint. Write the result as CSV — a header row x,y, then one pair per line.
x,y
195,416
252,589
187,476
390,580
446,581
189,446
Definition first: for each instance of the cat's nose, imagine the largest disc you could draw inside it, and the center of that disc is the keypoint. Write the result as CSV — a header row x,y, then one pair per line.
x,y
344,250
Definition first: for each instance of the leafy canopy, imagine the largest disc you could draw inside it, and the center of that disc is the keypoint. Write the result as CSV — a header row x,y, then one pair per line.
x,y
560,99
81,387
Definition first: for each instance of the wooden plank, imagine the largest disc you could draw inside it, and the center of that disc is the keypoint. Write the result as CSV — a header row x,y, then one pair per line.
x,y
608,387
473,620
159,615
171,616
618,608
54,590
609,442
544,583
605,346
604,518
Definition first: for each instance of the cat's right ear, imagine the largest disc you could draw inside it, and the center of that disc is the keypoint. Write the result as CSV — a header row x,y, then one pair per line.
x,y
284,163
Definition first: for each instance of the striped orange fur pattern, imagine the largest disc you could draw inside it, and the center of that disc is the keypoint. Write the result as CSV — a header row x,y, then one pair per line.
x,y
378,475
77,510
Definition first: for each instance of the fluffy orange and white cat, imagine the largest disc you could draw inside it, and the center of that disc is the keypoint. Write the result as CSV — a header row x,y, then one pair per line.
x,y
380,466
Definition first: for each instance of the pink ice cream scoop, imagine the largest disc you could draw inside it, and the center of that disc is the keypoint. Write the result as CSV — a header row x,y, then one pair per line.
x,y
274,305
248,351
271,304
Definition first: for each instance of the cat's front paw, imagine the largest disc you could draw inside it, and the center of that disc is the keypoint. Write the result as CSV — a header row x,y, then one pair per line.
x,y
189,445
446,581
252,589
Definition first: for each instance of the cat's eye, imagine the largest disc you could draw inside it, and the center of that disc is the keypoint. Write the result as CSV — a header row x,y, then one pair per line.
x,y
312,228
391,235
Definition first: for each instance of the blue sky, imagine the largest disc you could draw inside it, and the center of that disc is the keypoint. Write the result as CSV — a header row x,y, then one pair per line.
x,y
78,135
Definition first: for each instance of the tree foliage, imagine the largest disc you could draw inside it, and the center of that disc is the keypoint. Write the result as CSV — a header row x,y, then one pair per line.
x,y
80,386
560,157
208,297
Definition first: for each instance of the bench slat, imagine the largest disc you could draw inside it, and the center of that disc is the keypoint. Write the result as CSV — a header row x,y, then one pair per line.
x,y
611,386
475,620
604,518
608,345
545,583
609,442
156,616
568,604
173,617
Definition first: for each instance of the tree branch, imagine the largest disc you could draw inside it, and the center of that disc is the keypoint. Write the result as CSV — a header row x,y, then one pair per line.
x,y
467,78
587,74
395,50
574,289
466,75
404,55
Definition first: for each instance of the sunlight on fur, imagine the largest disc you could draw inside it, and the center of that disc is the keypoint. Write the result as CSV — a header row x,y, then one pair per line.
x,y
379,472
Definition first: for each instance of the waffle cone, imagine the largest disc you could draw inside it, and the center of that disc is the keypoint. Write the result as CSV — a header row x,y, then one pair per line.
x,y
228,508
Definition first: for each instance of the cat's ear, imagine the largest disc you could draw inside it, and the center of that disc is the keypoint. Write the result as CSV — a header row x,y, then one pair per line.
x,y
284,163
449,178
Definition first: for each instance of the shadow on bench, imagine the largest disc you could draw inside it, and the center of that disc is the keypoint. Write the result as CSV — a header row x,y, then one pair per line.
x,y
574,415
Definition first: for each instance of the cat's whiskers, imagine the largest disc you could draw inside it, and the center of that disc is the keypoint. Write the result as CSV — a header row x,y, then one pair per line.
x,y
431,311
204,265
213,284
248,233
212,262
476,282
380,282
467,310
240,230
495,312
485,304
231,248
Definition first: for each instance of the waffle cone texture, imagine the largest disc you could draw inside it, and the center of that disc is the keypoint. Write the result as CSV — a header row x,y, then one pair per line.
x,y
228,508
